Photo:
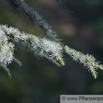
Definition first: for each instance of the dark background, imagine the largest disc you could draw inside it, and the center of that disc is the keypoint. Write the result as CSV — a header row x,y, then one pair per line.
x,y
39,80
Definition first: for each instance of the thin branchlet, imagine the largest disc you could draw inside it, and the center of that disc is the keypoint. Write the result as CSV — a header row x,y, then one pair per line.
x,y
61,5
17,61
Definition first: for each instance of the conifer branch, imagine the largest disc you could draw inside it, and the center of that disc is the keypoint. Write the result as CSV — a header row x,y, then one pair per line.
x,y
37,19
87,60
51,49
41,47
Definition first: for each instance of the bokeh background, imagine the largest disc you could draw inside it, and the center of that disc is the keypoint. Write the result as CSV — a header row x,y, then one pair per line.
x,y
39,80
